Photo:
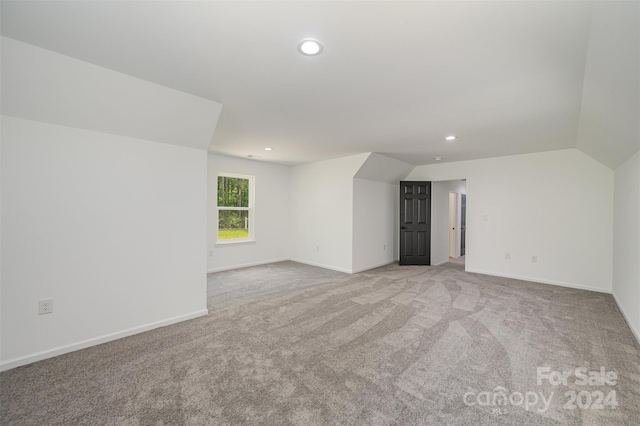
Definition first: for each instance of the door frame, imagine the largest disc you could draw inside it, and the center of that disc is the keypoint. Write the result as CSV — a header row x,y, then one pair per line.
x,y
463,227
468,230
454,224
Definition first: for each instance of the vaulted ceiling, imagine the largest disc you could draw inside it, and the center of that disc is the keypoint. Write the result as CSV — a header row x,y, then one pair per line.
x,y
394,77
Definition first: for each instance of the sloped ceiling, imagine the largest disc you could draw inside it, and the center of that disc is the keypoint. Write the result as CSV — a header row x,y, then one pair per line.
x,y
394,77
609,128
381,168
40,85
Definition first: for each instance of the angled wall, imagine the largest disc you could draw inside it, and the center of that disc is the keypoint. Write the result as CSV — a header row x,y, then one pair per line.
x,y
41,85
375,224
609,128
375,211
609,131
322,212
104,204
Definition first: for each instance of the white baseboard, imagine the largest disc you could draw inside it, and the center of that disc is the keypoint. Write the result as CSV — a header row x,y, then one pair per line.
x,y
246,265
377,265
305,262
440,263
50,353
636,333
320,265
538,280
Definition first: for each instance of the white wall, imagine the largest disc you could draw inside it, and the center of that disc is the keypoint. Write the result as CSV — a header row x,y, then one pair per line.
x,y
375,223
107,216
375,211
556,205
440,218
609,130
112,228
322,212
626,241
272,209
1,316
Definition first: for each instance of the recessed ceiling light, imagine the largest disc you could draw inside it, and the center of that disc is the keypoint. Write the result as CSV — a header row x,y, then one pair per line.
x,y
450,138
438,158
268,149
310,47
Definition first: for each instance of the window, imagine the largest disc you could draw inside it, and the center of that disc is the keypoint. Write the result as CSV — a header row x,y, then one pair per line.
x,y
235,208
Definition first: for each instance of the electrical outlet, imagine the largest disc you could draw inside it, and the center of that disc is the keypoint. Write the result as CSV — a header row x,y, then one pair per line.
x,y
45,306
534,258
485,218
317,248
210,253
384,247
507,256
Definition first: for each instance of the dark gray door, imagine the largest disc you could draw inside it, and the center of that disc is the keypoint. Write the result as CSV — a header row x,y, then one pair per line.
x,y
463,223
415,223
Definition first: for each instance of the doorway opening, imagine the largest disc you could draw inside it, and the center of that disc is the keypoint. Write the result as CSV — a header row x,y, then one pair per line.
x,y
448,230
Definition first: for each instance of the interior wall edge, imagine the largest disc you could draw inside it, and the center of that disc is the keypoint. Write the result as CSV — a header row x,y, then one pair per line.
x,y
61,350
320,265
246,265
636,333
540,281
377,265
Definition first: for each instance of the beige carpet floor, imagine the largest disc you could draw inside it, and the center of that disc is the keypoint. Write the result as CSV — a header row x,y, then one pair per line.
x,y
289,344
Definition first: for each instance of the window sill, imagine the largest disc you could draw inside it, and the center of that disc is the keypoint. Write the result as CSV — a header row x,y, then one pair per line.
x,y
234,243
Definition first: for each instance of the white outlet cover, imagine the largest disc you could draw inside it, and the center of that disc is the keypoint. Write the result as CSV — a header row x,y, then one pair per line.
x,y
45,306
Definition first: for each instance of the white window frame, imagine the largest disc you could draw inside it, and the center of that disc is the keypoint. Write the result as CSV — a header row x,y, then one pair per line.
x,y
251,209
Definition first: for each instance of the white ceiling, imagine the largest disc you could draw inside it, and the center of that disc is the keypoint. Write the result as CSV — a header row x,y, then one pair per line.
x,y
394,77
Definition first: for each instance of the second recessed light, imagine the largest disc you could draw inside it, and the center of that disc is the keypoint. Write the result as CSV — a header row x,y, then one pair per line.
x,y
310,47
268,149
450,138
